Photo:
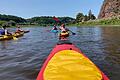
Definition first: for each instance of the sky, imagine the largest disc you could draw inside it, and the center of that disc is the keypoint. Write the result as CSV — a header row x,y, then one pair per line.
x,y
32,8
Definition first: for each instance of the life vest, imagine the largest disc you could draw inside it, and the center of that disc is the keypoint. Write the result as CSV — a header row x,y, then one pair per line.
x,y
64,34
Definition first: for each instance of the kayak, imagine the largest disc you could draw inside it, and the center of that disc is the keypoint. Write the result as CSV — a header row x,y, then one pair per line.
x,y
6,37
54,31
67,62
9,37
19,34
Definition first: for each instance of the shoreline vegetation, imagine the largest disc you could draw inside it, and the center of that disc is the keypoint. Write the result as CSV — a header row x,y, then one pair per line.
x,y
81,20
113,21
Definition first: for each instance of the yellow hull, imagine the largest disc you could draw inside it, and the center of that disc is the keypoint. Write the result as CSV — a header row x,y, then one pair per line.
x,y
9,37
5,37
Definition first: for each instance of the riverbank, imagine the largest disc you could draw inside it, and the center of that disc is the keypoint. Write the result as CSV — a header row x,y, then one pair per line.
x,y
98,22
101,22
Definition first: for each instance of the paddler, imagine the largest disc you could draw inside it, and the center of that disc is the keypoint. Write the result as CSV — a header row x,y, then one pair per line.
x,y
64,32
54,27
4,31
19,29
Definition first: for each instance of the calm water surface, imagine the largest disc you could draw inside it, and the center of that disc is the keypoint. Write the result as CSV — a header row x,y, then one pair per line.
x,y
22,59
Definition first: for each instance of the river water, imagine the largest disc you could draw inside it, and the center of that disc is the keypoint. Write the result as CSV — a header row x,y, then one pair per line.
x,y
23,58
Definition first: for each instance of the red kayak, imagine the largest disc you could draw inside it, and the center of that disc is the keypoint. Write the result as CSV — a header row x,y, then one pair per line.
x,y
67,62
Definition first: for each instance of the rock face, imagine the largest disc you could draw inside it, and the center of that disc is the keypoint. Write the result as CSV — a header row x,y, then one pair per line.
x,y
110,8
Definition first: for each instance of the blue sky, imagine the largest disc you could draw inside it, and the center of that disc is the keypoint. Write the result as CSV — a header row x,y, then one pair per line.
x,y
31,8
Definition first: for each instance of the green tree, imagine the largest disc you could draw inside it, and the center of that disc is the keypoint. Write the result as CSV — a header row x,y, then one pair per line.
x,y
11,17
86,18
91,16
48,20
79,17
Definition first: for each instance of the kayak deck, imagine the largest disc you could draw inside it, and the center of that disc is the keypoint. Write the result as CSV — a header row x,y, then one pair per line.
x,y
71,65
4,37
66,62
54,31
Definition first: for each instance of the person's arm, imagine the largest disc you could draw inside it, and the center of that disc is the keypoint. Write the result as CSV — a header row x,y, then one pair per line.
x,y
6,31
60,28
67,29
53,28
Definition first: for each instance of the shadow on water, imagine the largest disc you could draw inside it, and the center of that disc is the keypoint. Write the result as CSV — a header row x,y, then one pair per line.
x,y
22,59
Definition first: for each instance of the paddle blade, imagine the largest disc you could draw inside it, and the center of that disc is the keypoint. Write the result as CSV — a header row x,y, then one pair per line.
x,y
56,19
14,38
73,33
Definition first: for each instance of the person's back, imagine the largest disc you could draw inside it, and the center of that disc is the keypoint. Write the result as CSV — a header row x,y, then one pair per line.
x,y
5,31
54,28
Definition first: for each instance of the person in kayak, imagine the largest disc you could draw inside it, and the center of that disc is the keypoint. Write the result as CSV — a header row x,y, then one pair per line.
x,y
64,32
54,27
4,31
19,29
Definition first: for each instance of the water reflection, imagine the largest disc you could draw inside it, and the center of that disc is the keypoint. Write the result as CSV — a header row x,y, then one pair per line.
x,y
111,39
3,44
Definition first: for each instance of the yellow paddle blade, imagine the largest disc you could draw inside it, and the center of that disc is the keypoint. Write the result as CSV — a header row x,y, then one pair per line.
x,y
14,38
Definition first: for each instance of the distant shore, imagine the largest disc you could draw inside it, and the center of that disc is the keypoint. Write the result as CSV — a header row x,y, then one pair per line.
x,y
98,22
101,22
108,25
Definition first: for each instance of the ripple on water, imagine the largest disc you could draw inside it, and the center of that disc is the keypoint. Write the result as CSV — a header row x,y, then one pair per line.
x,y
22,59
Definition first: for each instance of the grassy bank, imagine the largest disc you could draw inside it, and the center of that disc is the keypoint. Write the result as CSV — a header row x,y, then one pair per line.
x,y
102,22
2,22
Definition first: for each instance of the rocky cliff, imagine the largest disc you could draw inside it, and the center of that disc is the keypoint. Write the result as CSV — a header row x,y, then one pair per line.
x,y
110,8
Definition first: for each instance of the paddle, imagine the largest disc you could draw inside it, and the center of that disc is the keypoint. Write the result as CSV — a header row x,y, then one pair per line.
x,y
72,32
56,19
14,38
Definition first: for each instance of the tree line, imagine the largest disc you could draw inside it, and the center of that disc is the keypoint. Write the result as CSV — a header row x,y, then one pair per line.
x,y
11,17
10,20
45,20
81,17
48,20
